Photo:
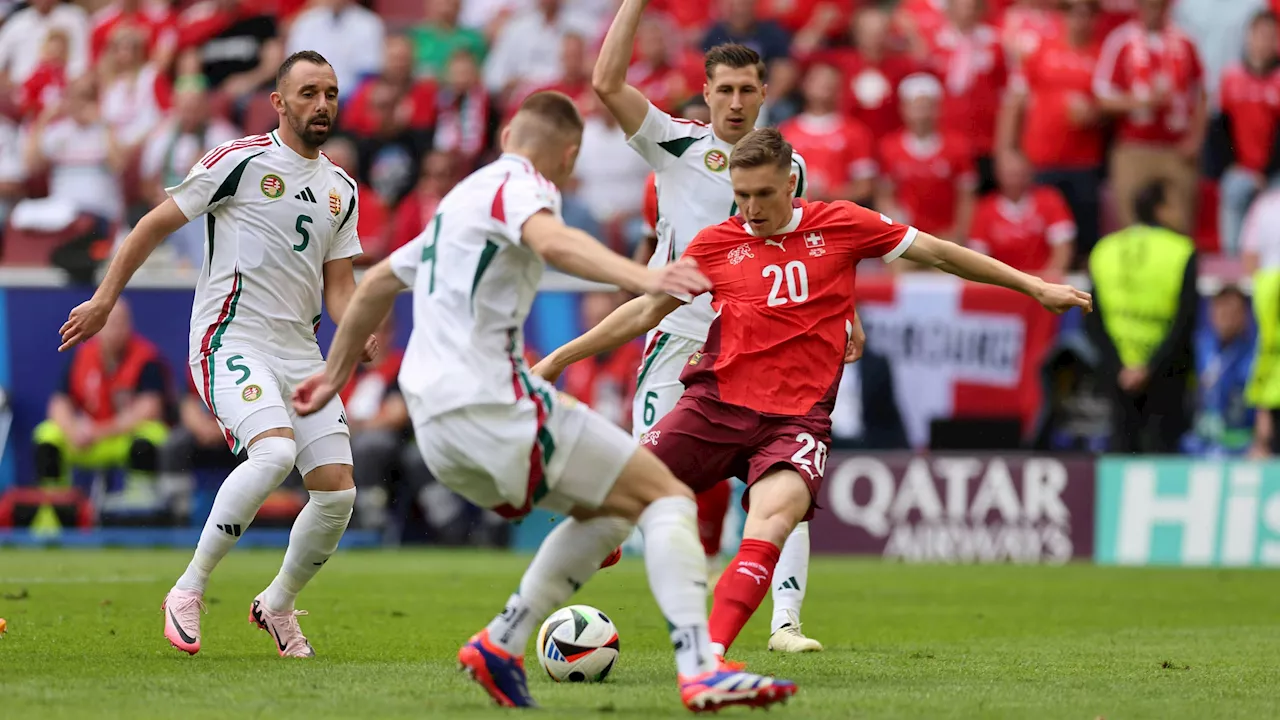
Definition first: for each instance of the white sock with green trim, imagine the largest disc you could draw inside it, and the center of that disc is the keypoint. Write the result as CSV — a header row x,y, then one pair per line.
x,y
237,503
790,578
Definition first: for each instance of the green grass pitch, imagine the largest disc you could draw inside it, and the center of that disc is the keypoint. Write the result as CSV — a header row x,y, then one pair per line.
x,y
85,641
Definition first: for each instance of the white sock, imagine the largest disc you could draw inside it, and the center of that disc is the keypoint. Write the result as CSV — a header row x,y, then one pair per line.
x,y
677,571
237,503
312,540
790,578
567,559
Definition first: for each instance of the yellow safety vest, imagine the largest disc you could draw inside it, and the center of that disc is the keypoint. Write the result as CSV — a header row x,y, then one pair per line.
x,y
1264,381
1138,275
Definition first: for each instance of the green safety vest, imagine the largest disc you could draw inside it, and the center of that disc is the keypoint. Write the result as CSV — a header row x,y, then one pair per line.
x,y
1264,382
1138,275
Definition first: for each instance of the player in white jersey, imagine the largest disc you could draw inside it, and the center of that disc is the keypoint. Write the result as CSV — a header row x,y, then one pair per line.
x,y
503,438
280,223
691,162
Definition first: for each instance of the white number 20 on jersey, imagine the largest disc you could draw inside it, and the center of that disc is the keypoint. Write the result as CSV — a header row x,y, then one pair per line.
x,y
797,278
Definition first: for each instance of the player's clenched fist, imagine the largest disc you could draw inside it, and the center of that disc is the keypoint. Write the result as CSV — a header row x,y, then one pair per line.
x,y
313,393
681,278
85,320
370,349
1061,298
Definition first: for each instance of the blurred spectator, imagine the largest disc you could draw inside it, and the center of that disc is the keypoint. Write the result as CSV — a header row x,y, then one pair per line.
x,y
867,415
1250,110
606,382
108,413
183,137
1027,25
22,40
1216,29
1143,320
236,43
1260,245
47,83
1023,225
812,23
349,36
1224,352
607,175
153,19
415,98
691,17
1149,76
465,117
742,25
440,36
135,94
373,224
927,175
966,54
655,71
1051,115
379,423
82,158
388,157
1259,241
12,173
1112,14
575,80
839,151
872,71
439,174
524,51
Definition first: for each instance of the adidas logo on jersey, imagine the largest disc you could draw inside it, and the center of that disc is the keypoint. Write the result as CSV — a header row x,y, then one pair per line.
x,y
306,195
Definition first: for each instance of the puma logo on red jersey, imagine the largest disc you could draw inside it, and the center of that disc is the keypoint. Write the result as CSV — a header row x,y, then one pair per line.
x,y
776,243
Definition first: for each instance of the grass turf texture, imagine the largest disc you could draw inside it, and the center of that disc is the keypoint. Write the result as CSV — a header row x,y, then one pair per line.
x,y
902,641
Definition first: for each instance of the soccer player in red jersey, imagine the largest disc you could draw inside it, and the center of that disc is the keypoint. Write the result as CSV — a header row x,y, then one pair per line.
x,y
759,395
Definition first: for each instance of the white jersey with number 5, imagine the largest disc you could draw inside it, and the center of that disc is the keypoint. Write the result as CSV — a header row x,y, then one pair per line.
x,y
272,220
694,192
473,282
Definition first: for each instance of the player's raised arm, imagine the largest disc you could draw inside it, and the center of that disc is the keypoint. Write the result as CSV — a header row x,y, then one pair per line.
x,y
963,262
609,79
88,318
623,325
577,253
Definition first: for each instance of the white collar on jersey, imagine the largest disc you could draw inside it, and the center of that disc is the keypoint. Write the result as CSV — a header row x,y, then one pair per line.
x,y
796,214
275,135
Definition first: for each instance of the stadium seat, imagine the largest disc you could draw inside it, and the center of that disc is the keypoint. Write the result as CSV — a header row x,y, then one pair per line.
x,y
30,248
18,506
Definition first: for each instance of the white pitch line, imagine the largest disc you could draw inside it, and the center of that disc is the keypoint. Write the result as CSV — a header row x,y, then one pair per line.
x,y
109,580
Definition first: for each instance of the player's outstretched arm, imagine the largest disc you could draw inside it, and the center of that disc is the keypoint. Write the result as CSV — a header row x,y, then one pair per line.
x,y
369,305
632,320
577,253
88,318
609,79
963,262
339,287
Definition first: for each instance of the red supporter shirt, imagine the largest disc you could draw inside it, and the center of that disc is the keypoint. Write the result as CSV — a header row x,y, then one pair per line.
x,y
1053,77
43,88
1022,234
420,104
838,150
159,25
871,88
1023,30
924,174
665,86
686,14
784,305
1135,62
1112,14
795,14
1252,105
607,383
973,73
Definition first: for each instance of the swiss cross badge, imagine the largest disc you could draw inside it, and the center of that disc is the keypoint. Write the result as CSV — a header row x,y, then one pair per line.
x,y
816,245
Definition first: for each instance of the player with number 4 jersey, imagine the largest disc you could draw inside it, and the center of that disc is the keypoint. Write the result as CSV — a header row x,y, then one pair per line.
x,y
760,392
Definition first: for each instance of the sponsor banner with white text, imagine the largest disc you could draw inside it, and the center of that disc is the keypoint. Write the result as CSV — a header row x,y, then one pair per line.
x,y
957,508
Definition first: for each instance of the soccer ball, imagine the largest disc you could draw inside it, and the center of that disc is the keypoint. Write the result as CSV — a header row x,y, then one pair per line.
x,y
578,644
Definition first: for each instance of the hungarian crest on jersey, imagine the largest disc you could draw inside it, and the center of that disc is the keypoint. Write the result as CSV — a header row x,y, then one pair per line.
x,y
335,202
272,186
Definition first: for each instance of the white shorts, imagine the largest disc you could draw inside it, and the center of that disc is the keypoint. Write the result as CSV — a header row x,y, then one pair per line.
x,y
547,451
658,385
250,392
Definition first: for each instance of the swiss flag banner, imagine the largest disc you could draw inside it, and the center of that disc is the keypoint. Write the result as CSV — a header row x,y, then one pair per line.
x,y
957,349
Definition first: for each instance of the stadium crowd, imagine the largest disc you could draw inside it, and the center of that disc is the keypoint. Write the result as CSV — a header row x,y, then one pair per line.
x,y
1028,129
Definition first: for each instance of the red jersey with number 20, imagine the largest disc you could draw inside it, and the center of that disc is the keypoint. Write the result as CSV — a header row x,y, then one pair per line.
x,y
784,305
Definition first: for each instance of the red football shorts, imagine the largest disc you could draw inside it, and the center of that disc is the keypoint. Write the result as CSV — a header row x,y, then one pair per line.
x,y
704,441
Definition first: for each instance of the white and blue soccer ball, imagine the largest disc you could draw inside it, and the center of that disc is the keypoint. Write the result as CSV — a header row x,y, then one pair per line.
x,y
578,644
